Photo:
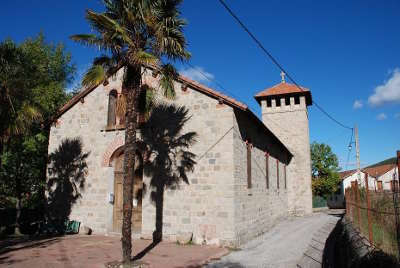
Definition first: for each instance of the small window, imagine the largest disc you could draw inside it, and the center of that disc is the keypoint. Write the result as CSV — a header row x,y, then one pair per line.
x,y
248,165
284,170
296,100
267,169
269,104
277,173
287,101
278,102
112,106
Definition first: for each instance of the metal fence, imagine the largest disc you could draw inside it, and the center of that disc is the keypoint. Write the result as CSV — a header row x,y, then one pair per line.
x,y
376,215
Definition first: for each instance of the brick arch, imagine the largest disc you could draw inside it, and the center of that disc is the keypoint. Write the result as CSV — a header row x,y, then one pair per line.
x,y
112,146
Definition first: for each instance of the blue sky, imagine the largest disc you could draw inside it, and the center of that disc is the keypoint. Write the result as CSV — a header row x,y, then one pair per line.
x,y
346,52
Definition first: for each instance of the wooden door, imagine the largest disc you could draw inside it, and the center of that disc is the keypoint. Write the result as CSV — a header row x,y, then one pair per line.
x,y
118,195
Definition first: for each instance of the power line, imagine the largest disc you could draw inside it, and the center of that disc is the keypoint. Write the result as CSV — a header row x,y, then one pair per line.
x,y
212,80
221,87
260,45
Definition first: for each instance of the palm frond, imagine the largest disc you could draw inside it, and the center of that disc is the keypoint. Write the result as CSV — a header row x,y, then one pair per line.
x,y
26,115
168,30
94,76
144,58
91,40
110,28
168,77
147,98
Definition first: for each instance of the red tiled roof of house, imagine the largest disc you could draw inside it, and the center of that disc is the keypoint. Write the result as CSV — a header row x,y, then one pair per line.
x,y
284,88
372,171
212,92
347,173
379,170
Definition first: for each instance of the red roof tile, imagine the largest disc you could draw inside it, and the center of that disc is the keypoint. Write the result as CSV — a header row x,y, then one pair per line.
x,y
347,173
284,88
379,170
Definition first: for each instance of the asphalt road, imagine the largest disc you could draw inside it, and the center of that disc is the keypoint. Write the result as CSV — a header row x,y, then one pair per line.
x,y
282,246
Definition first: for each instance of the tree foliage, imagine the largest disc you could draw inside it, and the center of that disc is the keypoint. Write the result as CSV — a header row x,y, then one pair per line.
x,y
325,169
33,78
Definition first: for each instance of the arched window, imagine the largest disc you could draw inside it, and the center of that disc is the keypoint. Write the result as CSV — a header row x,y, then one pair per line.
x,y
112,106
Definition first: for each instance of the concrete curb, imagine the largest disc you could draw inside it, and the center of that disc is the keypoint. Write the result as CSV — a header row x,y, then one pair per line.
x,y
313,256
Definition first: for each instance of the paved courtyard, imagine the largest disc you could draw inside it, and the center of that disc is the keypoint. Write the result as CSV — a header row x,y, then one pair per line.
x,y
94,251
288,244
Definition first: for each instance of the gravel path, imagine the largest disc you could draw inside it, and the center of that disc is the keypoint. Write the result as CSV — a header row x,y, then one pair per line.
x,y
282,246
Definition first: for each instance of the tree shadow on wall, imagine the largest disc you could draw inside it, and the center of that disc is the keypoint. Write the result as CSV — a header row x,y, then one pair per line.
x,y
67,170
167,157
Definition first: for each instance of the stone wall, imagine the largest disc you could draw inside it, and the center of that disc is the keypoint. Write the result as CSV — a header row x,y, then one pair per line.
x,y
87,120
216,205
205,206
257,208
290,124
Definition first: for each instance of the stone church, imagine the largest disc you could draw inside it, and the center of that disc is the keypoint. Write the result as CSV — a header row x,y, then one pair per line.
x,y
249,173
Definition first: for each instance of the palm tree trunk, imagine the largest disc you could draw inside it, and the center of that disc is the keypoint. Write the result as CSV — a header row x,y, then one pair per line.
x,y
132,81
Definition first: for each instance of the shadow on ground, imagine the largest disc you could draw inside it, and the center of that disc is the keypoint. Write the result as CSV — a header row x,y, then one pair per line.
x,y
23,242
345,248
226,264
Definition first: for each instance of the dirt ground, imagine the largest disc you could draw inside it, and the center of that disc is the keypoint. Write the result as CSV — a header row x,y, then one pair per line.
x,y
95,251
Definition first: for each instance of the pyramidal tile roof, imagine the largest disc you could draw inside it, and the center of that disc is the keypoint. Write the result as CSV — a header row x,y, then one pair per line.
x,y
284,88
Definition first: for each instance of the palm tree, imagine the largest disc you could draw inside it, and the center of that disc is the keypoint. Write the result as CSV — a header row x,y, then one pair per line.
x,y
133,33
17,112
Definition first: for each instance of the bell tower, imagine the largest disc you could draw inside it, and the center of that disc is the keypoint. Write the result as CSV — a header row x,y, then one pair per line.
x,y
284,112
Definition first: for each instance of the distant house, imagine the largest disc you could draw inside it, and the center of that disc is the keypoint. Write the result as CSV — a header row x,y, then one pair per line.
x,y
349,178
384,175
380,178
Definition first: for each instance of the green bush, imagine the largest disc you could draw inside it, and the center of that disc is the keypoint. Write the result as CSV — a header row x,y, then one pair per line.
x,y
318,202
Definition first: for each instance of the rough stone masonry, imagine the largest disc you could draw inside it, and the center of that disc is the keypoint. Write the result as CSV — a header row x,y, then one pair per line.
x,y
249,173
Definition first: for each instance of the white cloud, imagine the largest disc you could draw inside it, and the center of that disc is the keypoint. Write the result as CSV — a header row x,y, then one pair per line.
x,y
198,74
387,92
381,116
358,104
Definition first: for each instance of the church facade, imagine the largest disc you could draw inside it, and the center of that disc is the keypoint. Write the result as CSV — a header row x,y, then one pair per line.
x,y
249,173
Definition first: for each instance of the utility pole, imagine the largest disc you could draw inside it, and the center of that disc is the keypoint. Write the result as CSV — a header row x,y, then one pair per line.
x,y
357,154
398,166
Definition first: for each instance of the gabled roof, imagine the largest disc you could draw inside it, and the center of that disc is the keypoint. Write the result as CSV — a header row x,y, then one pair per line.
x,y
283,89
379,170
193,84
196,86
375,171
346,173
